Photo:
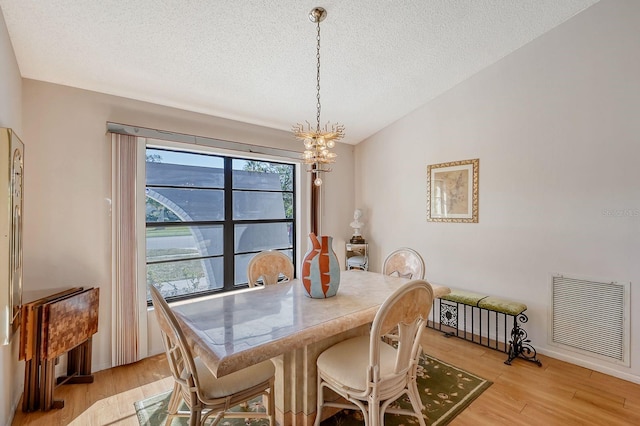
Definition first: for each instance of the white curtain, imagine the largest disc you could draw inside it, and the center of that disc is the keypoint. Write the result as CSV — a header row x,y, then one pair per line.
x,y
128,300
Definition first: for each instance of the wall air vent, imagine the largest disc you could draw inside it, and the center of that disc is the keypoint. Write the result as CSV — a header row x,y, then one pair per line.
x,y
591,317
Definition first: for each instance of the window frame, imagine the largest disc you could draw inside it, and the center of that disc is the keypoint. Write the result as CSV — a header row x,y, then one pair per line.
x,y
228,223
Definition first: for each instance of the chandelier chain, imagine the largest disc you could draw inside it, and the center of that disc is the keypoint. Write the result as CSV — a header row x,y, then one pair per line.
x,y
318,80
318,142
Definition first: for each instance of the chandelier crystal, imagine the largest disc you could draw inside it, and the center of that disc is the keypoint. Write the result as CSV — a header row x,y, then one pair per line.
x,y
318,142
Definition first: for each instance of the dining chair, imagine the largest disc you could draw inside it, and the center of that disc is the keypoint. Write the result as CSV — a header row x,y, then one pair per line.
x,y
205,394
370,373
404,262
269,265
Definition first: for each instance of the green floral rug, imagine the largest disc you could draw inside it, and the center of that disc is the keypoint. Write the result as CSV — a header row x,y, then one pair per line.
x,y
445,391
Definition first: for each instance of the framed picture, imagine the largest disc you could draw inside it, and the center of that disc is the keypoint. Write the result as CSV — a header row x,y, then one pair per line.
x,y
452,191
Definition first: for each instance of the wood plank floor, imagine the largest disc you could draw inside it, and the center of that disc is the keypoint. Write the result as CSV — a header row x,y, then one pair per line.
x,y
557,393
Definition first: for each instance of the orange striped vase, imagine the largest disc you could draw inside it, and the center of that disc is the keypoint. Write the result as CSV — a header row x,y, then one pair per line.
x,y
320,268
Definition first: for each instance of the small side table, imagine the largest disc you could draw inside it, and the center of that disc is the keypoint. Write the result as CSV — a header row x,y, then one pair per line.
x,y
357,256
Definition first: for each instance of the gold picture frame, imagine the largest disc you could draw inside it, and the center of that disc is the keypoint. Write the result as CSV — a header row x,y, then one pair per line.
x,y
11,233
452,191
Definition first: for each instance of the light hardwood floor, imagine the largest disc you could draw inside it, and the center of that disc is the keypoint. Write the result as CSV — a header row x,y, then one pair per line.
x,y
557,393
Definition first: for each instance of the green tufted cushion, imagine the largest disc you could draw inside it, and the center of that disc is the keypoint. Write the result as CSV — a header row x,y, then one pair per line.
x,y
502,305
464,297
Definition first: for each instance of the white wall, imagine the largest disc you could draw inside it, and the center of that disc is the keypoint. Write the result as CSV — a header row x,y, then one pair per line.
x,y
555,126
11,372
68,185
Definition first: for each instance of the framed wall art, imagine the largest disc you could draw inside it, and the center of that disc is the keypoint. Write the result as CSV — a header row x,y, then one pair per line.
x,y
452,191
11,178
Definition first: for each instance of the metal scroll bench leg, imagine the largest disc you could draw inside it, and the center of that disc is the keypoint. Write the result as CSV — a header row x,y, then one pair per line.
x,y
520,344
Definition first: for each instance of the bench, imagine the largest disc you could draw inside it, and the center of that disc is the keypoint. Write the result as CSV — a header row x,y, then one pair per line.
x,y
473,317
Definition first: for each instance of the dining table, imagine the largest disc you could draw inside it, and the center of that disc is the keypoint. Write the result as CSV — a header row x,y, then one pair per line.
x,y
281,322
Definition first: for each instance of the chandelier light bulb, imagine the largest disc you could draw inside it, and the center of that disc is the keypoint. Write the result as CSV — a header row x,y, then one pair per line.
x,y
317,182
308,143
331,143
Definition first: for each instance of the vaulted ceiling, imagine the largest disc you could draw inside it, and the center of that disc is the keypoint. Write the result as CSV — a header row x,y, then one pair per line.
x,y
255,61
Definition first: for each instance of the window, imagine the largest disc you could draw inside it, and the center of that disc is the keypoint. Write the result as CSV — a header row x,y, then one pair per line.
x,y
207,215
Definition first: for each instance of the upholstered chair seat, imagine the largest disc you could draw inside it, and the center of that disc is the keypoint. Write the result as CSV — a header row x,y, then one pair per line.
x,y
347,361
213,387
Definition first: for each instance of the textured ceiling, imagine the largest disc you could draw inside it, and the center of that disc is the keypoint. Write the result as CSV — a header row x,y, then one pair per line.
x,y
254,61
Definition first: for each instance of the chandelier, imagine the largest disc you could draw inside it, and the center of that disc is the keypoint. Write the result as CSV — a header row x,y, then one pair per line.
x,y
319,141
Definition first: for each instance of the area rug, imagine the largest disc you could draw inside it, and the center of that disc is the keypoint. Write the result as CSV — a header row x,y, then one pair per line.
x,y
445,391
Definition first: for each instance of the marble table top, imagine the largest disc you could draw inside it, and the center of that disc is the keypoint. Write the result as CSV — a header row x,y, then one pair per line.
x,y
232,331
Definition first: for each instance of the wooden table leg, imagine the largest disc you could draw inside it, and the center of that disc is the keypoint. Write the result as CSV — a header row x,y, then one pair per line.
x,y
31,391
78,365
46,390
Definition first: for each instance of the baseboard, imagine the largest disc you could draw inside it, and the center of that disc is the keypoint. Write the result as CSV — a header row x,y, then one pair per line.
x,y
590,365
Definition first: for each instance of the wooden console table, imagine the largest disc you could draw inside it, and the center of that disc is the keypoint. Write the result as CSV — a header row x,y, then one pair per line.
x,y
51,326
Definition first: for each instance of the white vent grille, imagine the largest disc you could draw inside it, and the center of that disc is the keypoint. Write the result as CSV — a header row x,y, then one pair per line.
x,y
591,317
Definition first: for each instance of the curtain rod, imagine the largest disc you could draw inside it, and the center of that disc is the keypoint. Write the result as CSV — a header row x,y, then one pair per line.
x,y
125,129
